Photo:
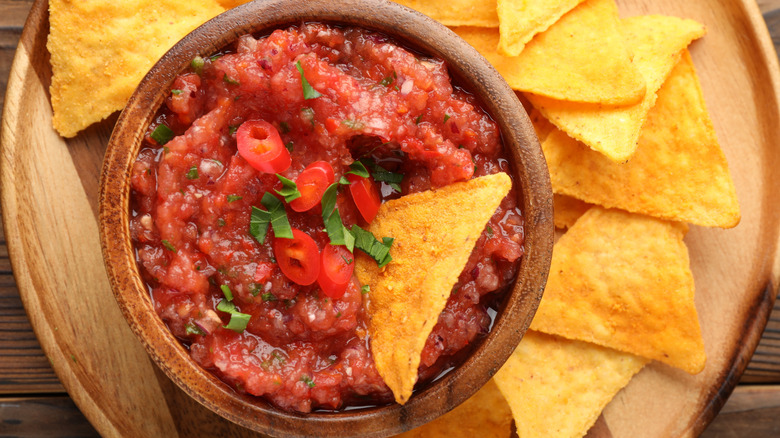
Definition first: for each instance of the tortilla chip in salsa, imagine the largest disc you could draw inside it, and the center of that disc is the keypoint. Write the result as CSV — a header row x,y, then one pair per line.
x,y
434,233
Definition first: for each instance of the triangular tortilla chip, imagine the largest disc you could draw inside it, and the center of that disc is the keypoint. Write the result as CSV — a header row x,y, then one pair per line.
x,y
678,171
101,49
581,58
485,414
520,20
481,13
557,387
434,232
567,210
623,281
657,43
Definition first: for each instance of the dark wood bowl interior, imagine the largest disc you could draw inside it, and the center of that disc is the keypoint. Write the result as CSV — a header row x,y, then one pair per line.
x,y
409,29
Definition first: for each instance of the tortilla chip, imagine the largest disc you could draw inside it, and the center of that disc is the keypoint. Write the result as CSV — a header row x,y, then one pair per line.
x,y
581,58
657,43
557,387
567,210
434,234
678,171
623,281
480,13
100,51
542,126
520,20
485,414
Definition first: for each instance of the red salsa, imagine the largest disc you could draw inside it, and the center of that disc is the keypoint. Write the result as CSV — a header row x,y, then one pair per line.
x,y
248,148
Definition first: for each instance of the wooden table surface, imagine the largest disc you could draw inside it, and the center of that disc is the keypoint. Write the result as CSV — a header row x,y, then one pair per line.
x,y
33,403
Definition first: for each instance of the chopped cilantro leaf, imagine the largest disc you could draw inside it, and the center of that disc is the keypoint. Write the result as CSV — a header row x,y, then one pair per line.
x,y
418,120
176,92
366,242
169,246
232,129
227,292
446,117
284,127
193,173
289,146
221,222
192,329
489,231
278,216
365,289
337,232
268,296
289,189
234,198
308,91
308,381
389,79
359,169
228,80
162,134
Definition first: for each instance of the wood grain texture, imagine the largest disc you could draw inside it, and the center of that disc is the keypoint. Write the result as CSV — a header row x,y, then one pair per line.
x,y
749,411
43,417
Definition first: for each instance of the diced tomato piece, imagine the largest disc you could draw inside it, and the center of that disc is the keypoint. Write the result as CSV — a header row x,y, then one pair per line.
x,y
263,272
298,258
260,145
312,183
366,195
503,248
336,267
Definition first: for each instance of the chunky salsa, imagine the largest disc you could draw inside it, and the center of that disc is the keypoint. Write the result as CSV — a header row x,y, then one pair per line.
x,y
264,165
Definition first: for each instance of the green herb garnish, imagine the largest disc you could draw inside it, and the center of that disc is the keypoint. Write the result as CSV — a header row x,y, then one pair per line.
x,y
193,173
221,222
274,215
228,80
232,129
365,289
389,79
418,120
268,296
446,117
192,329
366,242
169,246
379,173
162,134
308,381
359,169
337,232
289,146
353,124
238,321
176,92
284,128
289,189
489,231
227,292
234,198
197,64
308,91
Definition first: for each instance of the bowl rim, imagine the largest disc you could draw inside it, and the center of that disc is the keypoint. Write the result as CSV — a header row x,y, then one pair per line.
x,y
408,28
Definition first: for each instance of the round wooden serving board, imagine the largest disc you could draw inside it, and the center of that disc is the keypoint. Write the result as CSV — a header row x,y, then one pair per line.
x,y
49,199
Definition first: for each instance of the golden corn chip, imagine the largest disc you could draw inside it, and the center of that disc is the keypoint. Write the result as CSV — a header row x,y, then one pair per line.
x,y
100,50
581,58
657,42
623,281
567,210
520,20
481,13
230,4
434,232
678,171
485,414
557,387
542,126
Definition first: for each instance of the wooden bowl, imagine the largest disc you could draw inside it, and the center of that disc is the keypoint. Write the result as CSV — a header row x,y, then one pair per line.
x,y
409,29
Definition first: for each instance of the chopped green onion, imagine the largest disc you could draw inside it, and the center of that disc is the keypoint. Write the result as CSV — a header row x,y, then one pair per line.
x,y
193,173
169,246
213,58
289,189
366,242
227,292
365,289
308,381
308,91
221,222
268,296
289,146
446,117
275,215
162,134
353,124
192,329
176,92
232,129
228,80
197,64
234,198
388,79
359,169
284,128
238,321
418,120
489,231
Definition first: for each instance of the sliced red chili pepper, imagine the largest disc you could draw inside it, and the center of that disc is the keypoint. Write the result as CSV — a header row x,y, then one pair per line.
x,y
312,183
336,267
366,195
260,145
298,258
